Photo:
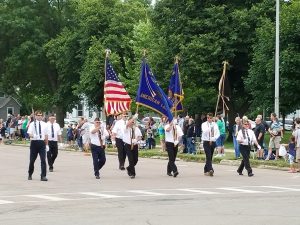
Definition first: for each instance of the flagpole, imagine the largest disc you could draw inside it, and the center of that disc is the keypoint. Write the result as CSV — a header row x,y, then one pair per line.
x,y
176,62
107,52
220,95
137,105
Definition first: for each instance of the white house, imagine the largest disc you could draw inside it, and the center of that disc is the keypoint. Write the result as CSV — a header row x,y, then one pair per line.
x,y
83,110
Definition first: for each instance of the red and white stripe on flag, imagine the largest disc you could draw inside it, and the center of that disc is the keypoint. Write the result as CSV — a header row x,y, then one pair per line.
x,y
116,98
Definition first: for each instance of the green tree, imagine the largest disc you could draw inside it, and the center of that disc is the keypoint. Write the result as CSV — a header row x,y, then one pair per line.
x,y
26,28
204,34
261,80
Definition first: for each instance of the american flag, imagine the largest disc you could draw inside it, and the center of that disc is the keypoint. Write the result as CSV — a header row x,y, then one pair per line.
x,y
116,98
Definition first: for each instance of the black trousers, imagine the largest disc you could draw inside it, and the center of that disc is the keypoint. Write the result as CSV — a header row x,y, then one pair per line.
x,y
184,142
245,163
99,158
52,153
121,152
209,151
37,148
172,153
133,157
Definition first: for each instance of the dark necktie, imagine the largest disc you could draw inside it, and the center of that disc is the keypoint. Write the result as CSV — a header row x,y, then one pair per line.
x,y
100,139
175,135
248,138
52,130
132,137
40,130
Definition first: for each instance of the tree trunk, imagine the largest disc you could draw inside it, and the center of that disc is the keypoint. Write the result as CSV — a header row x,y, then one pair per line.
x,y
60,115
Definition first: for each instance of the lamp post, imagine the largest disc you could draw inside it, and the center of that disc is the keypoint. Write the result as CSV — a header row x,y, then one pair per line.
x,y
276,105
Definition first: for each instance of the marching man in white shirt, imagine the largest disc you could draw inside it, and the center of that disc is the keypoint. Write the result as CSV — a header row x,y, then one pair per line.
x,y
246,138
173,133
54,134
131,136
98,134
117,138
210,133
37,132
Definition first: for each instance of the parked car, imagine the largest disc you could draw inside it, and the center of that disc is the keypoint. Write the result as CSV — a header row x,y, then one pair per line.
x,y
142,126
156,119
288,124
69,121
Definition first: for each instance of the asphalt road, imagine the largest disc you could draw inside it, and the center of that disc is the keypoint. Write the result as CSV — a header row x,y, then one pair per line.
x,y
73,196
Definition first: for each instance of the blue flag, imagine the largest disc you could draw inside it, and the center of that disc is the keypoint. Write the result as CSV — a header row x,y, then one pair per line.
x,y
151,95
175,92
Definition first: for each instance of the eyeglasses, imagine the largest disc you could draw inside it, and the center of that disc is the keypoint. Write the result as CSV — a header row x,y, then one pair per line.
x,y
247,124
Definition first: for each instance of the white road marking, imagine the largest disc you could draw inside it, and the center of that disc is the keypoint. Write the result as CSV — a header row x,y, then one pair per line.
x,y
189,191
199,191
147,192
5,202
240,190
46,197
282,188
100,195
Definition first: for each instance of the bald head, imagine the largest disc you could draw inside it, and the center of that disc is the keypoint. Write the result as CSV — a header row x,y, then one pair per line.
x,y
258,120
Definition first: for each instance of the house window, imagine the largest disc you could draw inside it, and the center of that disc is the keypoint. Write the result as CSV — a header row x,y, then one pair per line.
x,y
90,113
2,95
10,110
80,110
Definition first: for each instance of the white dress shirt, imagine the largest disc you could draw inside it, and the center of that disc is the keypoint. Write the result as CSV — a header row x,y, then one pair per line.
x,y
119,128
210,131
173,135
296,134
56,131
34,131
95,140
129,137
246,137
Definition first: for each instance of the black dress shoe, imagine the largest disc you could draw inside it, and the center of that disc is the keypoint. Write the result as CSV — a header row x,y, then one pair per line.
x,y
240,173
250,174
175,174
44,179
170,174
122,168
51,169
97,177
29,177
132,176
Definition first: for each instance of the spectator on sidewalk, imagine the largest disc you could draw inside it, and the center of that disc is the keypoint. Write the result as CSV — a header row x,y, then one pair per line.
x,y
221,139
292,155
260,135
276,133
296,134
191,135
161,133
